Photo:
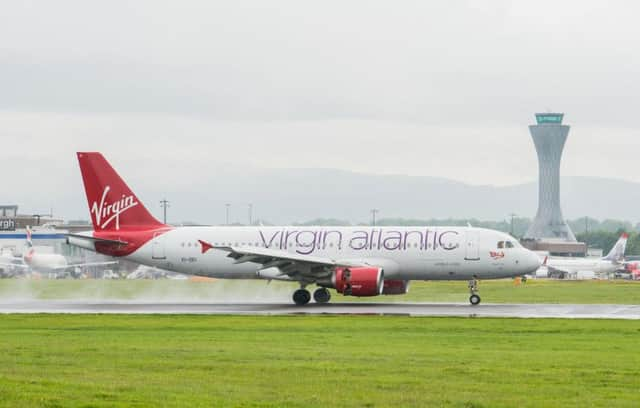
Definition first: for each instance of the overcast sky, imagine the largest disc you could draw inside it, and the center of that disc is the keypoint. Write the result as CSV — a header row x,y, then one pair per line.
x,y
438,88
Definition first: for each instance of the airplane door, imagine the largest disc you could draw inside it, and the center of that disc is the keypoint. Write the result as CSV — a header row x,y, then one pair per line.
x,y
157,248
472,246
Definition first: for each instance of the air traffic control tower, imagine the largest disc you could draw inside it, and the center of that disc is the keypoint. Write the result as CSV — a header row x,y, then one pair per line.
x,y
549,136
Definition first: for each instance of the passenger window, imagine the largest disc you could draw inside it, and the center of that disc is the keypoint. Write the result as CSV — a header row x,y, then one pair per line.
x,y
509,244
500,244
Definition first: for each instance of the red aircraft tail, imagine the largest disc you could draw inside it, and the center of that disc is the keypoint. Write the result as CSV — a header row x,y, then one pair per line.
x,y
112,204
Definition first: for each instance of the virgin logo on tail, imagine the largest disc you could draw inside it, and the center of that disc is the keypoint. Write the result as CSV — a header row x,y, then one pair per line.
x,y
106,213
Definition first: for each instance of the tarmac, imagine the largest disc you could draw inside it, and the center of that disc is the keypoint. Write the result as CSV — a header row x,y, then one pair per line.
x,y
565,311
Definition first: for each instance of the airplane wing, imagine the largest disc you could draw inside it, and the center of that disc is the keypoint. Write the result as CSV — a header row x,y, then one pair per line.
x,y
22,266
555,269
58,268
551,269
293,265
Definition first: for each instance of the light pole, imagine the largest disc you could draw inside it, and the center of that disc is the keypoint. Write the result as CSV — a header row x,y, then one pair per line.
x,y
586,225
373,216
512,217
227,213
164,204
250,206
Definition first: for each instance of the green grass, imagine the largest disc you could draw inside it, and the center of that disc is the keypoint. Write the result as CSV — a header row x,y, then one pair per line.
x,y
534,291
499,291
123,360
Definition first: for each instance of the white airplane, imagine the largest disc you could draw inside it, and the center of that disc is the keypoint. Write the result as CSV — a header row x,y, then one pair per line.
x,y
9,264
43,262
356,261
614,260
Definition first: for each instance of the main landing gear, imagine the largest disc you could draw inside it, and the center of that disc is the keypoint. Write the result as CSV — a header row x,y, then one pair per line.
x,y
302,296
322,295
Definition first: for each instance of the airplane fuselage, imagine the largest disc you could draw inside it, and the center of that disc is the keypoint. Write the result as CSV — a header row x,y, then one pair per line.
x,y
405,253
45,262
596,265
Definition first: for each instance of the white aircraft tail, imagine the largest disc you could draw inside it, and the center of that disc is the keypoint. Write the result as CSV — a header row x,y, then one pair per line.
x,y
617,252
29,240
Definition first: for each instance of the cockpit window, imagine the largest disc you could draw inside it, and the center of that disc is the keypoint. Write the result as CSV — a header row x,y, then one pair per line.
x,y
500,244
509,244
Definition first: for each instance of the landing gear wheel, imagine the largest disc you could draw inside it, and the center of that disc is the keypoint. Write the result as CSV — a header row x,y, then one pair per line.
x,y
301,297
322,295
474,300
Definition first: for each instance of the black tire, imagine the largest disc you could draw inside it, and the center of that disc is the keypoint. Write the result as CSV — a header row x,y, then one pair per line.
x,y
474,300
322,295
301,297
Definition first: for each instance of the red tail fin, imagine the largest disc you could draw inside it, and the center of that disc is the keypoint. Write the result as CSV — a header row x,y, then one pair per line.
x,y
112,204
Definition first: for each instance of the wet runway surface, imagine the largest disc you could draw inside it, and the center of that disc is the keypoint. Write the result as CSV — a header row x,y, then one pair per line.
x,y
408,309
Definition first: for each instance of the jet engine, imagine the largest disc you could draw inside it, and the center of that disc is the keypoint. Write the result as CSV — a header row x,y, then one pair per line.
x,y
395,287
360,281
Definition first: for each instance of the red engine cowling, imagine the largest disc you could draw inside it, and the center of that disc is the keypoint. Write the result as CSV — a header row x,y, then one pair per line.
x,y
361,281
395,287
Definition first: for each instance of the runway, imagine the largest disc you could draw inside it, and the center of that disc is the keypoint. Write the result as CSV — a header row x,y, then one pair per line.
x,y
406,309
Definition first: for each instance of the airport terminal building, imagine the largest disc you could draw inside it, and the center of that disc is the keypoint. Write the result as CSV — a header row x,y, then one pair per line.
x,y
45,231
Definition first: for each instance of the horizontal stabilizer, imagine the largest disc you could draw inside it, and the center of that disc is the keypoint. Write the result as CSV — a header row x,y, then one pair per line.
x,y
95,239
86,264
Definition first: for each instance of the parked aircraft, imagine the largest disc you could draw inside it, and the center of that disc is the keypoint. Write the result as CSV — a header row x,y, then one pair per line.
x,y
43,262
9,264
562,267
355,261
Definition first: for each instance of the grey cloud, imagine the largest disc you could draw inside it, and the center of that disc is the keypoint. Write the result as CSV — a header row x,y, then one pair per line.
x,y
434,62
169,90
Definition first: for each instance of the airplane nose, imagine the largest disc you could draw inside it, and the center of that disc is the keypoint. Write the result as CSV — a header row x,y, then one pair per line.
x,y
532,262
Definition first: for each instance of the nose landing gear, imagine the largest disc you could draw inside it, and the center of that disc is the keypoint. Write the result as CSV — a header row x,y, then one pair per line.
x,y
474,299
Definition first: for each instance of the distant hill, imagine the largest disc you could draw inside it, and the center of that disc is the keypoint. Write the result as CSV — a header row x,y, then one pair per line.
x,y
282,196
286,196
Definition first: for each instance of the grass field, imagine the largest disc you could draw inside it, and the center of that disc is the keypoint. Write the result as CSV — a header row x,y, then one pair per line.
x,y
500,291
123,360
